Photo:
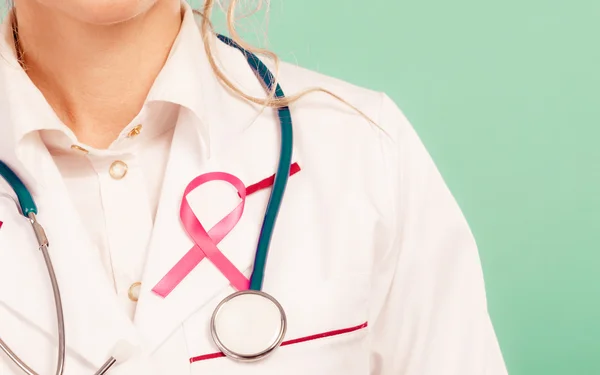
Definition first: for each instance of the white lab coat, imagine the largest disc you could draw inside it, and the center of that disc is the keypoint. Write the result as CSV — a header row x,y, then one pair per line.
x,y
370,247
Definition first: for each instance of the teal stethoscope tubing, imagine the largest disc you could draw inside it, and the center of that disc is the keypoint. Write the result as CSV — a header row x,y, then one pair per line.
x,y
283,169
29,208
26,202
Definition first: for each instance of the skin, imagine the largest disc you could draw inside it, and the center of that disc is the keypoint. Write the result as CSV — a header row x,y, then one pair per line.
x,y
95,60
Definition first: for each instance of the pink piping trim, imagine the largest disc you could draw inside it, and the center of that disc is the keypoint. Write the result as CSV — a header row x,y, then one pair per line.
x,y
269,181
318,336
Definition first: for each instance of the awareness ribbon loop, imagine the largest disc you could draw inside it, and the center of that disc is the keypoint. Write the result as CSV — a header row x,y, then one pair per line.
x,y
205,243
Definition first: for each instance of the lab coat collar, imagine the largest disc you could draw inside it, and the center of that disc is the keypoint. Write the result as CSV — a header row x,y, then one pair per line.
x,y
185,80
18,116
178,81
26,108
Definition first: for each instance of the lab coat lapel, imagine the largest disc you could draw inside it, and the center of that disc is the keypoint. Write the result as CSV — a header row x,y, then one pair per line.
x,y
156,317
94,319
250,154
232,136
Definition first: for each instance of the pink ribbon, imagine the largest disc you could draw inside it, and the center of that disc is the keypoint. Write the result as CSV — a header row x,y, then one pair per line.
x,y
205,244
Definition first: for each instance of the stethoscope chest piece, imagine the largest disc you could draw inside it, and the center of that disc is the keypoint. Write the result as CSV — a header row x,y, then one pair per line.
x,y
248,325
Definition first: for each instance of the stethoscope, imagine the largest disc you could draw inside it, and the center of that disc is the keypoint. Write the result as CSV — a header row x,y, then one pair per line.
x,y
247,325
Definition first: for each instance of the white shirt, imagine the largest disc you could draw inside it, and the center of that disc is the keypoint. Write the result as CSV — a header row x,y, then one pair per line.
x,y
116,190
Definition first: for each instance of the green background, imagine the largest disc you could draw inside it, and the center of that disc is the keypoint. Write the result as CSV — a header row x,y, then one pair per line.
x,y
506,96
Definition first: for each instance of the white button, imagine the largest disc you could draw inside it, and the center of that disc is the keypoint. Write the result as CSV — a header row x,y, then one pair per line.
x,y
118,170
134,291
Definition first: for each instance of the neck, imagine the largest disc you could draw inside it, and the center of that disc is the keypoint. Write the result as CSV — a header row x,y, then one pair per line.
x,y
95,77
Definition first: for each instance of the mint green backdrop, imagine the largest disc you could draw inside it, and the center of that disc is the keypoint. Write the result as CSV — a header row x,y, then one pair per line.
x,y
506,96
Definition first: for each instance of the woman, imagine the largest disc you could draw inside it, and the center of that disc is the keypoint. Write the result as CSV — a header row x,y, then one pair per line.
x,y
110,108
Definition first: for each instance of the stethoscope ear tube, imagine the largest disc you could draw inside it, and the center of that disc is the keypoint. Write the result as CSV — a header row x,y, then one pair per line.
x,y
25,199
61,353
29,210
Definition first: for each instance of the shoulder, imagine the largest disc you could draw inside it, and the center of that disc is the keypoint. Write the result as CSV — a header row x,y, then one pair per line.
x,y
365,123
361,146
375,114
298,78
361,109
343,131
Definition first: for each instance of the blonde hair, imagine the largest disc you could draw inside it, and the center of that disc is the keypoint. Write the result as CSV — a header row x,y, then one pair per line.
x,y
208,34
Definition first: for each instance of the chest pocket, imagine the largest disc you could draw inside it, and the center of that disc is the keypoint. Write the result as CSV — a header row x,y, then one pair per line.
x,y
327,331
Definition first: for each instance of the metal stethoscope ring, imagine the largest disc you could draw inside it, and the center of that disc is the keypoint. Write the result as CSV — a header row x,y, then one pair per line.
x,y
234,342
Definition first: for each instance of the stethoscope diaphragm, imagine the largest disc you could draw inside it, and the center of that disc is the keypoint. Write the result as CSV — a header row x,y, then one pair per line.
x,y
248,325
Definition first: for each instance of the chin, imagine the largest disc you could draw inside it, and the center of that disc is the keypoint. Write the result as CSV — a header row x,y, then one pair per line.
x,y
101,12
